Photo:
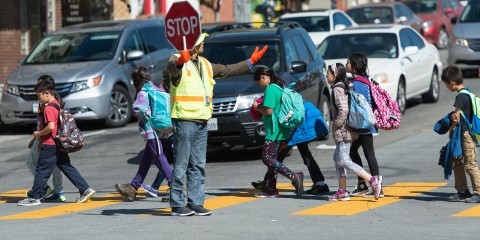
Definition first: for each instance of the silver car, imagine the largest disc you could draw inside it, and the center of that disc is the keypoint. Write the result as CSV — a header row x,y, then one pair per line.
x,y
464,50
91,64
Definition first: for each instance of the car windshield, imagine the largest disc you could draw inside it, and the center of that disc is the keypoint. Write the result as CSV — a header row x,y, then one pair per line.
x,y
422,6
234,52
374,45
74,47
471,12
312,23
369,15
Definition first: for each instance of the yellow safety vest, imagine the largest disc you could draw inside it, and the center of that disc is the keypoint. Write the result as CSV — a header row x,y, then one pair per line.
x,y
192,99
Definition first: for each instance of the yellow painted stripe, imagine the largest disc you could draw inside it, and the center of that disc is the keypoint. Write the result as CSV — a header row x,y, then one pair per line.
x,y
13,195
356,205
471,212
68,208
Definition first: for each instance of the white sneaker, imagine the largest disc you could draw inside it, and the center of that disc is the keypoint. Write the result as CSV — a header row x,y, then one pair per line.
x,y
29,202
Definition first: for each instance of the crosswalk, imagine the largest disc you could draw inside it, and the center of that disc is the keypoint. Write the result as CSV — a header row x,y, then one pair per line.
x,y
394,193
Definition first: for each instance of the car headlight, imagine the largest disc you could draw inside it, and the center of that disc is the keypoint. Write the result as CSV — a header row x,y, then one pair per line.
x,y
381,78
460,42
82,85
245,102
427,24
12,89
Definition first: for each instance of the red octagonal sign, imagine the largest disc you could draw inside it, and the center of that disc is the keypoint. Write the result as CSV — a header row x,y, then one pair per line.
x,y
182,22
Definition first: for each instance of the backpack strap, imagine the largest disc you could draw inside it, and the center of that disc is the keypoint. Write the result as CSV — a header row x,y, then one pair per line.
x,y
471,96
363,80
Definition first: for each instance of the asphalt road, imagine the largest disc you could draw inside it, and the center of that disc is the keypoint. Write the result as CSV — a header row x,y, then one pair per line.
x,y
414,207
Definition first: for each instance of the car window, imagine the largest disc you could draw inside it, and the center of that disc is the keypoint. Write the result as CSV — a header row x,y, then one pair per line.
x,y
154,38
423,6
368,15
406,11
415,39
290,52
404,39
302,49
339,18
312,23
75,47
471,12
133,42
310,45
374,45
453,4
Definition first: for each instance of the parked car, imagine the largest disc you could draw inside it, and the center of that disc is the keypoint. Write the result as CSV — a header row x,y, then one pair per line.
x,y
91,64
399,58
291,53
319,23
386,13
436,16
464,49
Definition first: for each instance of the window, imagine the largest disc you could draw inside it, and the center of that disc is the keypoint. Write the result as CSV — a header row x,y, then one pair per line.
x,y
290,52
154,38
134,42
415,39
303,53
339,18
404,39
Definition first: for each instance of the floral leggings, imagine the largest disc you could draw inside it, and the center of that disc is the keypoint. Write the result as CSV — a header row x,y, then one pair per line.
x,y
32,161
269,158
342,160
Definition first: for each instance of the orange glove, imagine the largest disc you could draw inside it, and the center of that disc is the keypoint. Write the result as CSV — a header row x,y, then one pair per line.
x,y
256,55
184,57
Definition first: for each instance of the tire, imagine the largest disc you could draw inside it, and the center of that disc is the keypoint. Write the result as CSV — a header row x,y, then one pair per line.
x,y
120,108
442,39
324,107
434,92
401,96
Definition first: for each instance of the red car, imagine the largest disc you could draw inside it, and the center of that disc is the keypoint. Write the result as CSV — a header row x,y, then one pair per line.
x,y
436,15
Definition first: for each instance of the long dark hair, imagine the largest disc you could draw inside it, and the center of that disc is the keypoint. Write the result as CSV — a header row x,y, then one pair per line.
x,y
45,83
359,64
261,70
340,73
140,76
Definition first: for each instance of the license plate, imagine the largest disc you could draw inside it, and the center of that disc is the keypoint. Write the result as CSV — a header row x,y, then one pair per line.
x,y
35,107
212,124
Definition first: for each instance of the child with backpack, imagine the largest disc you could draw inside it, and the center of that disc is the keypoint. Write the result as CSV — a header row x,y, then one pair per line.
x,y
150,104
453,79
343,136
49,154
275,132
357,65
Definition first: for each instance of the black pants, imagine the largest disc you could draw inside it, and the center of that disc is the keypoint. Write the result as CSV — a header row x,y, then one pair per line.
x,y
366,142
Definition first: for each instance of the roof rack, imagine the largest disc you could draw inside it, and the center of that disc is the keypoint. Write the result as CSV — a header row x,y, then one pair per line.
x,y
281,25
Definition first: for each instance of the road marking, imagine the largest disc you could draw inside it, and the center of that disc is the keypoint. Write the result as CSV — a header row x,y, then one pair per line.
x,y
356,205
13,195
471,212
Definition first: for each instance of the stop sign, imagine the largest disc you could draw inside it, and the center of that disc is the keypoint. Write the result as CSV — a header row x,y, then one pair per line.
x,y
182,22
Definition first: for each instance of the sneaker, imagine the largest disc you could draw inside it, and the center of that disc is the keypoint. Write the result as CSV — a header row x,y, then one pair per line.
x,y
267,193
377,186
474,199
298,184
371,194
182,211
29,202
316,189
150,190
360,189
259,185
86,195
199,210
57,197
167,197
339,197
459,197
127,190
47,190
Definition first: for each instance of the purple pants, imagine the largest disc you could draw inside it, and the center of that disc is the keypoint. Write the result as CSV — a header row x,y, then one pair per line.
x,y
153,150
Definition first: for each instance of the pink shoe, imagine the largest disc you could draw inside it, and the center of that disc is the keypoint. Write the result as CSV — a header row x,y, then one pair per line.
x,y
339,197
377,187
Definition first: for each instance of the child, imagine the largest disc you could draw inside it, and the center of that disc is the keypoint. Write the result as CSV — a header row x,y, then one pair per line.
x,y
153,147
48,154
357,65
453,79
275,133
337,77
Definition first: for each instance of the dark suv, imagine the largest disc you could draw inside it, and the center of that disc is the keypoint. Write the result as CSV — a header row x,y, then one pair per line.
x,y
291,53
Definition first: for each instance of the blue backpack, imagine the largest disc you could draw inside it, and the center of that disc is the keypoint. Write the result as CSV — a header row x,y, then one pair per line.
x,y
360,117
475,124
160,108
292,112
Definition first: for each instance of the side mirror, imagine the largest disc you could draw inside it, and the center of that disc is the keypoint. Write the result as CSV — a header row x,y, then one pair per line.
x,y
339,27
411,50
134,55
402,19
453,20
298,67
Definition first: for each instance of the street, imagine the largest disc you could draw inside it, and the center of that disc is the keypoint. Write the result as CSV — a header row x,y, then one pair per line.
x,y
414,207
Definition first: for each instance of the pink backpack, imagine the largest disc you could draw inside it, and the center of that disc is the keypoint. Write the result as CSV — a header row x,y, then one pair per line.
x,y
386,111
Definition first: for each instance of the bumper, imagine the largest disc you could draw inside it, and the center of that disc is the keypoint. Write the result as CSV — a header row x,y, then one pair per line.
x,y
237,129
464,58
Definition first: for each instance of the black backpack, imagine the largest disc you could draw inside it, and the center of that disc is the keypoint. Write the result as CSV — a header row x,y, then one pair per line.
x,y
69,138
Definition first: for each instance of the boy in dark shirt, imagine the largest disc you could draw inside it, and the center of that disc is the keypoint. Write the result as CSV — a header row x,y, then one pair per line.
x,y
453,79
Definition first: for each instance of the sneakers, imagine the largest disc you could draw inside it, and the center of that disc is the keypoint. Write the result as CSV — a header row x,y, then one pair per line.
x,y
47,190
474,199
360,189
29,202
267,193
259,185
127,190
459,197
377,186
339,196
316,189
182,211
298,184
86,195
199,210
371,194
153,192
57,197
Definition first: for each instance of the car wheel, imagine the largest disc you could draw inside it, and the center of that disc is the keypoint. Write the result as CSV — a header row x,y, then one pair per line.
x,y
401,96
326,111
434,92
120,107
442,39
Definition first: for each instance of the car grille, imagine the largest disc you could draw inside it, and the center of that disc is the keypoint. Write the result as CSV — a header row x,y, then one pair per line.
x,y
474,44
224,107
28,93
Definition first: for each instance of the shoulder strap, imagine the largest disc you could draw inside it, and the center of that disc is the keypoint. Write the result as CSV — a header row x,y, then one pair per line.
x,y
56,106
363,80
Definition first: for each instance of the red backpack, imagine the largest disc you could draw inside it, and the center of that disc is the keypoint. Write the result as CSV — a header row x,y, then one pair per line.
x,y
386,111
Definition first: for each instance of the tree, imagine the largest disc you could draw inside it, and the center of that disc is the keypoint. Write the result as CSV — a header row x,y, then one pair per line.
x,y
214,5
